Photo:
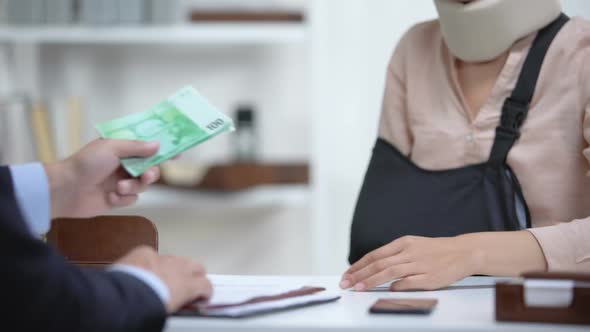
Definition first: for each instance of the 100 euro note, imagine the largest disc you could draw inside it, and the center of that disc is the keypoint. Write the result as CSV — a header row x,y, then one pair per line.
x,y
182,121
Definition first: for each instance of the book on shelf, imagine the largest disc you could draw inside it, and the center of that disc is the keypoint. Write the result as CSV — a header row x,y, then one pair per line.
x,y
132,11
159,12
162,12
26,130
90,12
67,116
42,132
30,131
97,12
29,12
109,12
16,145
59,12
37,12
74,122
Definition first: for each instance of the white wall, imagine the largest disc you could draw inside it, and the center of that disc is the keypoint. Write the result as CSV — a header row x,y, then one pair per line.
x,y
263,240
352,43
576,7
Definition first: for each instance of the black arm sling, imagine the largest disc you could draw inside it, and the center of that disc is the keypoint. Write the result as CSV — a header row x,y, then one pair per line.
x,y
399,198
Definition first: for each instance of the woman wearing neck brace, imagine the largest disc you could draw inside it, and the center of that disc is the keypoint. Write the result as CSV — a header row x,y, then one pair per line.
x,y
469,176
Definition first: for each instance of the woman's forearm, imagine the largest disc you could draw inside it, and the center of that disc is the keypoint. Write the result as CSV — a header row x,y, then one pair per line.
x,y
504,253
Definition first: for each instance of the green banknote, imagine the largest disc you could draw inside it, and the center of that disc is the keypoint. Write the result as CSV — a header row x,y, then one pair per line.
x,y
179,123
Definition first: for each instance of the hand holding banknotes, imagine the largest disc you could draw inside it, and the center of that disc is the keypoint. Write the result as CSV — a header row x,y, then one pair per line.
x,y
112,172
92,180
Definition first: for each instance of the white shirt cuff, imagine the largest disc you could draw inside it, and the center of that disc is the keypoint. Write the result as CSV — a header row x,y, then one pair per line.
x,y
31,189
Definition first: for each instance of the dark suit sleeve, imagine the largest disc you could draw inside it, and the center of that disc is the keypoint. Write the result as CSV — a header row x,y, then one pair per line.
x,y
41,291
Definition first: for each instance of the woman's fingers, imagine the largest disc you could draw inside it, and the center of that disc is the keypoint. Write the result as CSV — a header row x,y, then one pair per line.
x,y
391,249
414,282
388,274
351,280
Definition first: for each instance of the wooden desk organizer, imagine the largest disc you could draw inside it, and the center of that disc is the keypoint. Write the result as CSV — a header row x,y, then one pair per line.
x,y
511,306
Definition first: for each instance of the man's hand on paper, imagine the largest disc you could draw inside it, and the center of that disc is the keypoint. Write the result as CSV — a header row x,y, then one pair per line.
x,y
186,280
419,262
92,180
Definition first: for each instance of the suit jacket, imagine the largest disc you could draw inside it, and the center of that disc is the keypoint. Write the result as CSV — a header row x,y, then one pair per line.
x,y
41,291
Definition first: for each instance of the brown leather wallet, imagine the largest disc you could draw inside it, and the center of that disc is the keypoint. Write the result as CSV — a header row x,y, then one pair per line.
x,y
511,304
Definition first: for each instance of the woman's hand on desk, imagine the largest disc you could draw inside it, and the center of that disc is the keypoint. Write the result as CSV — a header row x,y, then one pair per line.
x,y
420,263
431,263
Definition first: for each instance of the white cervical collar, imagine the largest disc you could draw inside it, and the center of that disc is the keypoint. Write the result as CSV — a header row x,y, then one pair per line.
x,y
481,30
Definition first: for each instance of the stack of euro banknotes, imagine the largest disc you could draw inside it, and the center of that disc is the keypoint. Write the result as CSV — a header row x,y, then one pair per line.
x,y
180,122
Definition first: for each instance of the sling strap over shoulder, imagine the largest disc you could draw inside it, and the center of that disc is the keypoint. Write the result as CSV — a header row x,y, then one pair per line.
x,y
516,107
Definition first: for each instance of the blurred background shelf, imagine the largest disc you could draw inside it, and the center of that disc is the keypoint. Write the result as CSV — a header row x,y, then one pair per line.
x,y
208,15
234,176
261,197
208,33
232,186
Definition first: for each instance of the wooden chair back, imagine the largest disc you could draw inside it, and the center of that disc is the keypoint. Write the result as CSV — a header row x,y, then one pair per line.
x,y
102,240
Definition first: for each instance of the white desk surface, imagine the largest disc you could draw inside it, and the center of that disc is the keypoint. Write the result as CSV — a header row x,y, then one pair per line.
x,y
466,306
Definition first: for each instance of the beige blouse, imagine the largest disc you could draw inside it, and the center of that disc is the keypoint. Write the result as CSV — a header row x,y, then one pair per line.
x,y
425,117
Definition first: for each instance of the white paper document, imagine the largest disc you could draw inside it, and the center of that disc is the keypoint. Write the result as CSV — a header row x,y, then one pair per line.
x,y
229,289
230,294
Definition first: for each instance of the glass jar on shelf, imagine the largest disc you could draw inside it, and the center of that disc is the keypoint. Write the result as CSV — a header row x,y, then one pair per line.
x,y
246,135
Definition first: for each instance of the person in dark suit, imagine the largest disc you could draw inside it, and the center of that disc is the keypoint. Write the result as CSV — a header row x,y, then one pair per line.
x,y
41,291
